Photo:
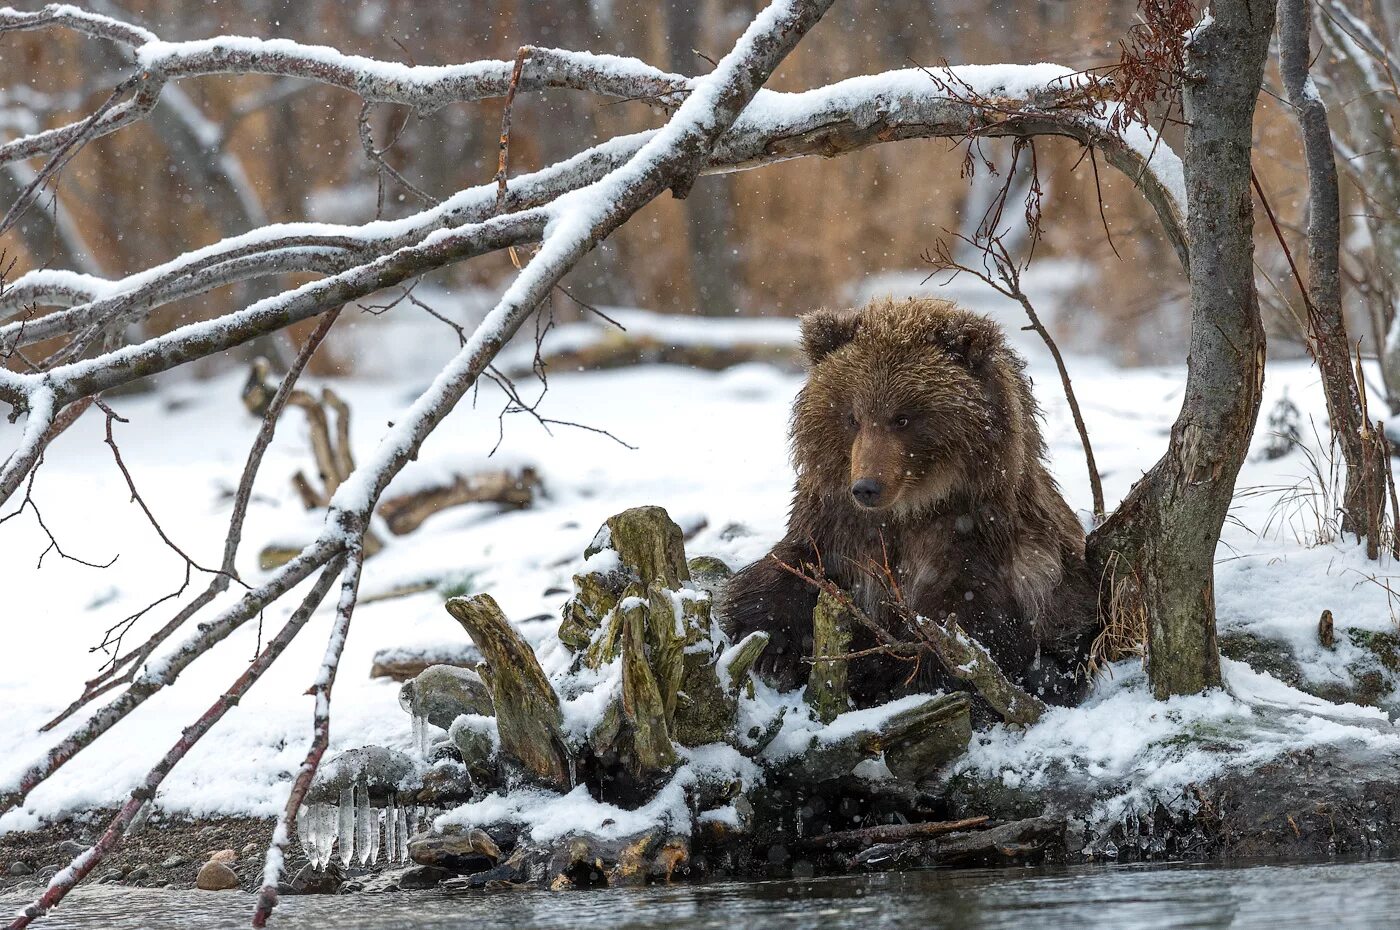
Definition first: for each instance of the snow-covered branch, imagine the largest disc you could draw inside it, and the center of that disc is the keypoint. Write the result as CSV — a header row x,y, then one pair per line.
x,y
141,795
321,732
569,227
423,87
850,115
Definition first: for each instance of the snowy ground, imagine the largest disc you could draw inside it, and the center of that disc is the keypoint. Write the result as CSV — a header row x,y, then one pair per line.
x,y
711,448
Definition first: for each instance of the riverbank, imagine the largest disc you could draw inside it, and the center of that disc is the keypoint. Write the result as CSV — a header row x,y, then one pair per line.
x,y
167,853
1128,776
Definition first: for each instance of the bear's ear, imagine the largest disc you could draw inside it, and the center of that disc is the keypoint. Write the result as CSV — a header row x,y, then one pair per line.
x,y
972,340
825,331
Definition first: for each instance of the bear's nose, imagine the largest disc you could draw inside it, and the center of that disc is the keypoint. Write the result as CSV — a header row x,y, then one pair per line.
x,y
867,492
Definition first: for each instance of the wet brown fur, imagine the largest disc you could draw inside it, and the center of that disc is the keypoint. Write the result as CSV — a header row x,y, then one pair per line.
x,y
929,401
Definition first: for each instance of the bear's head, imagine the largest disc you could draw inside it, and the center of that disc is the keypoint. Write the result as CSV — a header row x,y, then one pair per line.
x,y
908,403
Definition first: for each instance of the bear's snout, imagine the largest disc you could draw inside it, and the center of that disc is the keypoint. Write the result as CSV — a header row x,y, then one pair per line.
x,y
868,492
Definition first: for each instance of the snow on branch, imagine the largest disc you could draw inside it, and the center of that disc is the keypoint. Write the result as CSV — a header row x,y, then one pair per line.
x,y
966,102
423,87
276,249
961,102
570,227
66,879
581,219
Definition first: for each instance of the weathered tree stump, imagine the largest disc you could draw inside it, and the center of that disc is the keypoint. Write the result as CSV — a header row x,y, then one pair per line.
x,y
527,709
646,748
832,630
663,688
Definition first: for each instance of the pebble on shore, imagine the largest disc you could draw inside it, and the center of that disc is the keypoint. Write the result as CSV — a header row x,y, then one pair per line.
x,y
216,876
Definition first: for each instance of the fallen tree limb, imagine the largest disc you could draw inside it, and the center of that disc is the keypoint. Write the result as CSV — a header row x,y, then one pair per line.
x,y
163,672
320,729
892,833
113,676
511,489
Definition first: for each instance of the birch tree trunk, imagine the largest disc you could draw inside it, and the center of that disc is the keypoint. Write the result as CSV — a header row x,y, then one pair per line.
x,y
1165,533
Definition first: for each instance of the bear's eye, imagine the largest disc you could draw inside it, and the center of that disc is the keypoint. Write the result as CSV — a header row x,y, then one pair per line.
x,y
852,422
899,422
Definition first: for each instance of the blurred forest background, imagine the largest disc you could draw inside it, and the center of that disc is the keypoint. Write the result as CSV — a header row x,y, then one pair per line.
x,y
223,155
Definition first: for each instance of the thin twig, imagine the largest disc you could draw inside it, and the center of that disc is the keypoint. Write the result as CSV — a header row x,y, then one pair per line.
x,y
1005,278
242,498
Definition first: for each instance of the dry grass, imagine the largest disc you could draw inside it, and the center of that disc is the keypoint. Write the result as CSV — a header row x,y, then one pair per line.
x,y
1309,509
1124,633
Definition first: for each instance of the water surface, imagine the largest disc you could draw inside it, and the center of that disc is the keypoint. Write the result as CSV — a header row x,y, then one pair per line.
x,y
1337,896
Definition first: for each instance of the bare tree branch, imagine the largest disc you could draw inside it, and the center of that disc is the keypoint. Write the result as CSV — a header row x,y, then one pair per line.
x,y
321,733
85,862
242,497
570,227
164,671
841,118
423,87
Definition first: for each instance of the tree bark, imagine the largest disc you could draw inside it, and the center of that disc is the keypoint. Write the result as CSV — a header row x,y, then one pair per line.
x,y
1166,531
1326,325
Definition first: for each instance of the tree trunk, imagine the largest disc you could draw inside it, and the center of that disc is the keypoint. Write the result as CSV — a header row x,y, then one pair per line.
x,y
1373,167
1161,542
709,210
1327,328
562,123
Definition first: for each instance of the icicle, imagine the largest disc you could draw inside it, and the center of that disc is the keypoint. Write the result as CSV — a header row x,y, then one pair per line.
x,y
403,834
325,834
305,819
346,825
374,834
391,829
420,736
425,738
362,823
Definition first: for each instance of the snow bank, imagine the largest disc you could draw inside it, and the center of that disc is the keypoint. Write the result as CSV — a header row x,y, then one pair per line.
x,y
186,448
1143,751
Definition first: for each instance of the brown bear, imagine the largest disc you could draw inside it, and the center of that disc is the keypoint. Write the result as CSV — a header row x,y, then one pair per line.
x,y
917,446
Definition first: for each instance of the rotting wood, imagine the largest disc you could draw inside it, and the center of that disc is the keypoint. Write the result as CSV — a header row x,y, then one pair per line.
x,y
941,723
832,631
527,709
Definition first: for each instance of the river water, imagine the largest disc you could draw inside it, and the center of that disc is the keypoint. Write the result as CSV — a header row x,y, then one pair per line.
x,y
1274,897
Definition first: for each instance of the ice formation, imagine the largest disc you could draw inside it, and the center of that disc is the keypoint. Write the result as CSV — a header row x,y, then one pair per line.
x,y
357,831
361,806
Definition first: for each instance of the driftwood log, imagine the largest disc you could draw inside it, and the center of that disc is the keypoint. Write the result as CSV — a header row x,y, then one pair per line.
x,y
328,423
513,490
